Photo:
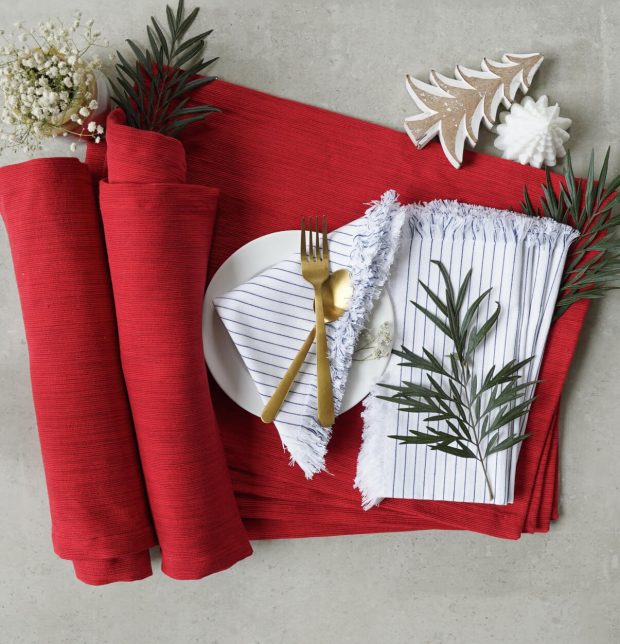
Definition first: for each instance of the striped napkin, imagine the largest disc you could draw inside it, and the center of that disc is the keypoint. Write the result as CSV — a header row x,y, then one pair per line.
x,y
270,316
521,259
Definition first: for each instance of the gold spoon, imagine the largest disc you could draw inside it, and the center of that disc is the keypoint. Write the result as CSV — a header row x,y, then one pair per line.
x,y
336,292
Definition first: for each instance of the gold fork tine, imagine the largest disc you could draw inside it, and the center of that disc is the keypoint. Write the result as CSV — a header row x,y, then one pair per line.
x,y
318,254
303,254
311,256
325,244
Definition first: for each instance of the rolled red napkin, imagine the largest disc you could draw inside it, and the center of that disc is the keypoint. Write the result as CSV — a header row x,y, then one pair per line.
x,y
158,232
100,516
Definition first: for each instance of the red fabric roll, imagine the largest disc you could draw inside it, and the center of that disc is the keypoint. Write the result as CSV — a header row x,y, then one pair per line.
x,y
158,232
100,516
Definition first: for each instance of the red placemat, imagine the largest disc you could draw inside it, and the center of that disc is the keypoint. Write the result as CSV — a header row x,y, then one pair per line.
x,y
275,160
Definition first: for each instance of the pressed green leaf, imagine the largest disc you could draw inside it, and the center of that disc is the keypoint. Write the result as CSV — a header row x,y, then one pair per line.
x,y
492,441
189,55
187,23
507,415
139,54
473,309
172,24
455,451
439,303
192,42
438,322
480,334
200,82
507,443
462,294
163,41
526,205
446,278
180,11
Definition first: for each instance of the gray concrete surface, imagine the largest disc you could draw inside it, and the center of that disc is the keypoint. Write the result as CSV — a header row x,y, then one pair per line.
x,y
426,587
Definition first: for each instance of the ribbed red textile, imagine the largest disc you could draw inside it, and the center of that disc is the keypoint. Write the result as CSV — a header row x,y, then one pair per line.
x,y
100,516
275,160
158,232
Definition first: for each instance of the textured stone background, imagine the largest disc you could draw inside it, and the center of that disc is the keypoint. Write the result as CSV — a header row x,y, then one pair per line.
x,y
425,587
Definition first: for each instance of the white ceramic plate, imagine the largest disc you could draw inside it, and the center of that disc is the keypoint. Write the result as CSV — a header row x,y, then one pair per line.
x,y
222,358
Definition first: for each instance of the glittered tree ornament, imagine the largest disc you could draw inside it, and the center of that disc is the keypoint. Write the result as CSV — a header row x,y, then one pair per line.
x,y
533,133
453,108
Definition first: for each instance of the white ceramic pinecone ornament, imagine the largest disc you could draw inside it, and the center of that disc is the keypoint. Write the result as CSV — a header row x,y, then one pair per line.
x,y
533,133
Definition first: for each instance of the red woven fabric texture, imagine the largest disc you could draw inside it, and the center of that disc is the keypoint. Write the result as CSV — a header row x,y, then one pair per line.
x,y
272,160
275,160
97,498
158,231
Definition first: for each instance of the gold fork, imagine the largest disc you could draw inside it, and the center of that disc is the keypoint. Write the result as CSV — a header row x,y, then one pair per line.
x,y
315,269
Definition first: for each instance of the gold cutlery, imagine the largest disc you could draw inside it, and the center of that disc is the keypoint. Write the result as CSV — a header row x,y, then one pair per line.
x,y
336,292
315,269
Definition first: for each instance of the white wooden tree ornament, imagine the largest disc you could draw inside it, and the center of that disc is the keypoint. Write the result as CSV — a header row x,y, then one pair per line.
x,y
453,108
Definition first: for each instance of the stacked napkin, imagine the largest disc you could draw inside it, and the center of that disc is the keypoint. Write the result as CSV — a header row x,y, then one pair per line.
x,y
521,259
269,317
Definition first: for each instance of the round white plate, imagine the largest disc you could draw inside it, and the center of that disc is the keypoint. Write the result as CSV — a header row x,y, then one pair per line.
x,y
222,358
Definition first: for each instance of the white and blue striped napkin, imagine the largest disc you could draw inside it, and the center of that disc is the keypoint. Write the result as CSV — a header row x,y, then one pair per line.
x,y
270,316
521,259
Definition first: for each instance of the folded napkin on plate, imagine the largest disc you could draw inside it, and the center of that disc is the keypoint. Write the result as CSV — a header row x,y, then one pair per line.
x,y
269,317
521,259
158,231
100,515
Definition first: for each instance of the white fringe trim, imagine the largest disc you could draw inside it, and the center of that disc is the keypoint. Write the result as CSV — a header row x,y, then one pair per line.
x,y
439,218
369,477
372,256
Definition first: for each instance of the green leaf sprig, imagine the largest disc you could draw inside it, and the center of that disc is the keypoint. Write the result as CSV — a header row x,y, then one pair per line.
x,y
155,89
593,263
472,413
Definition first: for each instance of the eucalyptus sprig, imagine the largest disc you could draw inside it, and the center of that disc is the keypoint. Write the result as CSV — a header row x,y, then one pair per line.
x,y
155,89
465,415
593,263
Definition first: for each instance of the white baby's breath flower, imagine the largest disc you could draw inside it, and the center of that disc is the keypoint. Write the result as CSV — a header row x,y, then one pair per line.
x,y
46,83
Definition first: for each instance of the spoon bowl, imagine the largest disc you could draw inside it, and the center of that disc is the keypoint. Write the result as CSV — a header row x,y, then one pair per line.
x,y
337,292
